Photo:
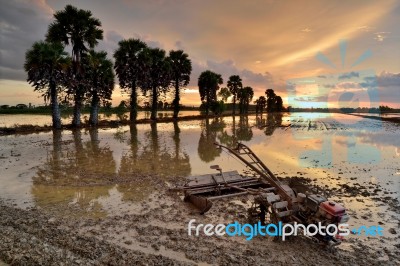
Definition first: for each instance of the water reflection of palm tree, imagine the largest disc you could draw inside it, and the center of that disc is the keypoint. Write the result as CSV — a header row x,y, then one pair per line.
x,y
241,133
134,186
92,163
227,139
181,158
209,131
143,165
79,175
274,120
244,132
260,122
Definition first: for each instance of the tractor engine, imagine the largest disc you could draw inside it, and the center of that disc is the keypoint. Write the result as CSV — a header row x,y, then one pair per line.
x,y
314,209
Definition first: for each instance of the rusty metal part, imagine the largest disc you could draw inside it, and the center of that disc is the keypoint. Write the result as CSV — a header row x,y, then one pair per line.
x,y
201,203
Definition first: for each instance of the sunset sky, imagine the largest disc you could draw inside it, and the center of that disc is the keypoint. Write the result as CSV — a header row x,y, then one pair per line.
x,y
312,53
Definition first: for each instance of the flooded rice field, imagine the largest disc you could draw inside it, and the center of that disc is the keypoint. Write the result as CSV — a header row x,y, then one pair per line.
x,y
13,120
111,186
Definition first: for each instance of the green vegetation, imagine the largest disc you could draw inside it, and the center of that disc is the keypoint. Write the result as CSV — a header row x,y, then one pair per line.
x,y
158,77
87,76
245,95
234,85
76,27
208,85
129,66
45,64
181,67
224,94
100,81
274,102
261,102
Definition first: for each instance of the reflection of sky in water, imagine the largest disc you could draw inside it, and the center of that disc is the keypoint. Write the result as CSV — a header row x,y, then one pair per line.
x,y
85,167
10,120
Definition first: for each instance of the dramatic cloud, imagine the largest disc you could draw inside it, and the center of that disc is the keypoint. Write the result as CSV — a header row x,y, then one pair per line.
x,y
21,25
259,81
249,39
322,98
349,75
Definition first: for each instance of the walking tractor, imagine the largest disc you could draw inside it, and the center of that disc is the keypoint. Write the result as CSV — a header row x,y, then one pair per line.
x,y
274,202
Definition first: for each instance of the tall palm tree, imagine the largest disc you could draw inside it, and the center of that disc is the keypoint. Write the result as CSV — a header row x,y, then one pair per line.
x,y
208,85
76,27
181,67
245,95
261,102
130,67
46,65
234,84
271,100
279,103
100,80
224,94
159,77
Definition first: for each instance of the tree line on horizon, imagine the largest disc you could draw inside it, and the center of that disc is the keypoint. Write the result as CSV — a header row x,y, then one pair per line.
x,y
88,76
209,83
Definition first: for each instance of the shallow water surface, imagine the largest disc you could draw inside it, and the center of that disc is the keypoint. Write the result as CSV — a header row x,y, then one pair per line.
x,y
12,120
109,171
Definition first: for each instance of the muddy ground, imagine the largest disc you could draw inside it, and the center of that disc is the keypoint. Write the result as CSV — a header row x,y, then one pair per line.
x,y
87,211
155,233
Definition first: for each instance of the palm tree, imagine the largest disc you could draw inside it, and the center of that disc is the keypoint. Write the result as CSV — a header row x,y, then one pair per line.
x,y
208,85
159,77
76,27
271,101
181,68
224,93
279,104
261,102
245,95
130,66
234,85
46,65
100,77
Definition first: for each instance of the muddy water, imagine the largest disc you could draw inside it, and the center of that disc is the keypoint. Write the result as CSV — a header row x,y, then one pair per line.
x,y
12,120
104,172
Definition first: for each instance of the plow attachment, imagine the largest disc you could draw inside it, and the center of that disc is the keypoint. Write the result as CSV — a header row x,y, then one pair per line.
x,y
202,190
201,203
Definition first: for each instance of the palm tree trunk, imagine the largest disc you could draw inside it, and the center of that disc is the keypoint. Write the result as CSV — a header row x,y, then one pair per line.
x,y
234,129
133,112
94,110
76,121
234,104
154,105
176,100
55,108
207,102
